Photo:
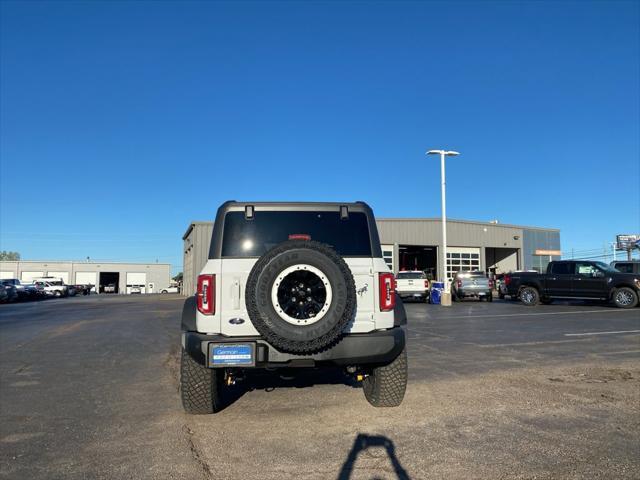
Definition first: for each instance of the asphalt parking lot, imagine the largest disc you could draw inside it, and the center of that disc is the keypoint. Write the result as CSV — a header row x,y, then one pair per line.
x,y
88,389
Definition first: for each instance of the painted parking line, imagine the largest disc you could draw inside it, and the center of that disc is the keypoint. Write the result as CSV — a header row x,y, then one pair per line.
x,y
599,333
540,313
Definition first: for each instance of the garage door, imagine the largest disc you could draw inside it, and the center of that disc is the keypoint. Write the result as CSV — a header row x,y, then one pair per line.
x,y
137,280
28,277
462,259
4,275
86,278
63,275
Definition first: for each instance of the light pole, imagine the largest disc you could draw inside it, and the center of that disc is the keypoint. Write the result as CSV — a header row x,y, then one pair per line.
x,y
443,154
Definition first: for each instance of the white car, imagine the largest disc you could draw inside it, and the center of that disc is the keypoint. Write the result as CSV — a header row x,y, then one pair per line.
x,y
170,289
413,285
52,288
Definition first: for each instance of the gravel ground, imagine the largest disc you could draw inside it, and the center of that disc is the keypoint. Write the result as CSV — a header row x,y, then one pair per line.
x,y
89,389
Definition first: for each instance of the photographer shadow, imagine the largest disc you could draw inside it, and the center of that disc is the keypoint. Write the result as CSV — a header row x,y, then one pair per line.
x,y
361,444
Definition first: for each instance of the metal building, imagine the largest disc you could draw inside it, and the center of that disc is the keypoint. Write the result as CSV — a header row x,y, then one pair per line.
x,y
196,240
148,277
414,243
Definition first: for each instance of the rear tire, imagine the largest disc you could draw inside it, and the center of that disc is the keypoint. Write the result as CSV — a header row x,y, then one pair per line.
x,y
529,296
490,297
625,297
200,387
385,387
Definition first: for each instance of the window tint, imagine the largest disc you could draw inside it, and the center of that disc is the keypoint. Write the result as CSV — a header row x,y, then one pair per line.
x,y
587,269
562,268
624,267
252,238
410,275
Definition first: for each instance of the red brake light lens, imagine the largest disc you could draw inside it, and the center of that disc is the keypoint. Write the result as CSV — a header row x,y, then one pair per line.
x,y
387,284
206,294
490,283
299,236
426,284
507,279
459,283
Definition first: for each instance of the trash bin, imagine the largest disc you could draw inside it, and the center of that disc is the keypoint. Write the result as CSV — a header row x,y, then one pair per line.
x,y
436,292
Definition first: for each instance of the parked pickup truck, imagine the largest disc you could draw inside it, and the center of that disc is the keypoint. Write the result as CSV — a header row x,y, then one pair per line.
x,y
413,285
53,288
575,279
471,284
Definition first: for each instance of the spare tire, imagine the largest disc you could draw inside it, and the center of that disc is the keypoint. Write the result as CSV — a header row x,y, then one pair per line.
x,y
300,296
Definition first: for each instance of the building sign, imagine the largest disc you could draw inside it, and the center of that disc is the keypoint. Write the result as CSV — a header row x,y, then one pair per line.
x,y
548,252
627,242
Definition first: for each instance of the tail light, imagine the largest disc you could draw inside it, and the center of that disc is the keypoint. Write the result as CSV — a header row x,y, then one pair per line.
x,y
387,292
206,294
507,279
459,284
490,283
426,284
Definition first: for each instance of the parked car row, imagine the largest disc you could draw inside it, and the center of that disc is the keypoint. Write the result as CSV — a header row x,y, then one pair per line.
x,y
13,290
617,283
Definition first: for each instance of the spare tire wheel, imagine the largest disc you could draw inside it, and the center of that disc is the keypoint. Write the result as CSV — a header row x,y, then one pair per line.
x,y
300,296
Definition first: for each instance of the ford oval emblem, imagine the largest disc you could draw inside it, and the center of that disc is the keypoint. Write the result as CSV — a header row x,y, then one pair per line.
x,y
236,321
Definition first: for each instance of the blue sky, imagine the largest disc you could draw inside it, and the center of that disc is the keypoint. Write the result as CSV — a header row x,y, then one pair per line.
x,y
123,121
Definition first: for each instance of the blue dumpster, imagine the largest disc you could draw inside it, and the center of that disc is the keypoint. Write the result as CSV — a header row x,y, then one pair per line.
x,y
436,292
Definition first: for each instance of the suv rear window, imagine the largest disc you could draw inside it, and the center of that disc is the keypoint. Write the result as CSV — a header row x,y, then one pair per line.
x,y
410,275
252,238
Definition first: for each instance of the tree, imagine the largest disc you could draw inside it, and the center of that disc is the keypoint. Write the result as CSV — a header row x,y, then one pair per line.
x,y
10,256
178,277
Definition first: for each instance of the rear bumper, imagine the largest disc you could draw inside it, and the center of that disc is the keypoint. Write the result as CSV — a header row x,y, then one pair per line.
x,y
414,293
375,348
469,292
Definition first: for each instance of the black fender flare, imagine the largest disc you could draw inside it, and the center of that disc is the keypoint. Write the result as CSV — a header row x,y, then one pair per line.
x,y
399,313
189,310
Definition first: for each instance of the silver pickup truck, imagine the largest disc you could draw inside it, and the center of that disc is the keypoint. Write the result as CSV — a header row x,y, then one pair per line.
x,y
471,284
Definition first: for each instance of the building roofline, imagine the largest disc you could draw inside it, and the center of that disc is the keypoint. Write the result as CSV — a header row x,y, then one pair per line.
x,y
193,224
84,262
471,222
425,219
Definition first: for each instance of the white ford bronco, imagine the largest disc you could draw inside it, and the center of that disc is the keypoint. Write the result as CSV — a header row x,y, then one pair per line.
x,y
293,285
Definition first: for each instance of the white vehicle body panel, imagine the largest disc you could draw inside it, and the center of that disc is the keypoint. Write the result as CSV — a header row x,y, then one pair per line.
x,y
51,289
231,279
409,286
